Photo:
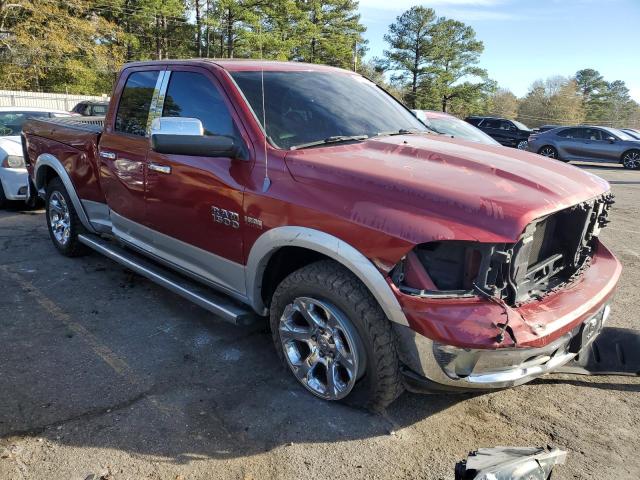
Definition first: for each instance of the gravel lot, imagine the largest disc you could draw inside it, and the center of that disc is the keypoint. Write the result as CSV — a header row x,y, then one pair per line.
x,y
103,373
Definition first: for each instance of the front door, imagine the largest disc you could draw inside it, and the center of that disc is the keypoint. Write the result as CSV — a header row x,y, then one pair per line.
x,y
124,145
196,203
596,146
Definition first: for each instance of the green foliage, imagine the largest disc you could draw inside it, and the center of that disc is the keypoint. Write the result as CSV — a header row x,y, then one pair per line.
x,y
57,46
555,101
502,103
78,46
435,59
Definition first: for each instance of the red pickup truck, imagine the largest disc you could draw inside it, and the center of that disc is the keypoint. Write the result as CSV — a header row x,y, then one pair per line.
x,y
385,256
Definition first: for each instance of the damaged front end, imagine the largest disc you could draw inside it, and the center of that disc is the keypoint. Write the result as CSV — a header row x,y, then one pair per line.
x,y
495,315
551,251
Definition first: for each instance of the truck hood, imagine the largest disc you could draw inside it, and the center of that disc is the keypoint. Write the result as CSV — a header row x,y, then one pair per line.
x,y
427,187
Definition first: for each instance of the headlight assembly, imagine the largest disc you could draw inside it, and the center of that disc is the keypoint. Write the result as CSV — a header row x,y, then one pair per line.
x,y
13,161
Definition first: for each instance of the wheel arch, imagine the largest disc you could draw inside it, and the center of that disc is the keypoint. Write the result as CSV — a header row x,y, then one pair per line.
x,y
48,166
311,244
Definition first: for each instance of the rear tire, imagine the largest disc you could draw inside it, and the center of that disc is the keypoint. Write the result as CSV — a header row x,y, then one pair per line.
x,y
549,152
62,220
361,335
631,160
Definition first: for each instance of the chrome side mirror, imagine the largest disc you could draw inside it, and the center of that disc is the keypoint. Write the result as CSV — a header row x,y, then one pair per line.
x,y
177,126
185,136
611,139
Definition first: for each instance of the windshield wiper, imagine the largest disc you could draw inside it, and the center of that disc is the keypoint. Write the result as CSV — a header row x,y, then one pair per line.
x,y
402,131
328,140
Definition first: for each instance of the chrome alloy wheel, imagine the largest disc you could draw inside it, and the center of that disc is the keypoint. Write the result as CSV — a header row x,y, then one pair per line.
x,y
322,347
631,159
548,152
522,145
59,219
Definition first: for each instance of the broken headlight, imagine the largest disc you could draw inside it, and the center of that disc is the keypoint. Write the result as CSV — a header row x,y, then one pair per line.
x,y
452,267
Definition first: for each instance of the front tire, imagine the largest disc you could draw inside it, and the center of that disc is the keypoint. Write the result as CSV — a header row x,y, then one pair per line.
x,y
62,220
333,336
631,159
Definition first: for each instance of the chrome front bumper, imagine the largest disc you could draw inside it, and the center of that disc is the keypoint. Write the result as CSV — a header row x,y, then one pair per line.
x,y
483,369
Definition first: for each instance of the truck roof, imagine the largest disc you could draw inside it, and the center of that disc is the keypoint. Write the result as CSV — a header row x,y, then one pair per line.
x,y
237,65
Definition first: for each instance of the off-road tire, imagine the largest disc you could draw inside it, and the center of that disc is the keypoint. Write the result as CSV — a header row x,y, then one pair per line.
x,y
326,280
72,247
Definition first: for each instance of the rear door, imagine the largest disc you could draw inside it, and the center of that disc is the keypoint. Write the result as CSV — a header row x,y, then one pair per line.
x,y
195,204
124,145
495,128
569,144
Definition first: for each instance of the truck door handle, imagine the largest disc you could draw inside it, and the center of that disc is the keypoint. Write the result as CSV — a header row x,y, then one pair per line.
x,y
160,168
107,155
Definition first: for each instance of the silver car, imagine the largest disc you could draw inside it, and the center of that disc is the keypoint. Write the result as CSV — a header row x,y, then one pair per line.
x,y
13,174
587,143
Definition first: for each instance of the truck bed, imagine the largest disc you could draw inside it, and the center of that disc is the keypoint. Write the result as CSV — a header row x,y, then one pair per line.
x,y
74,142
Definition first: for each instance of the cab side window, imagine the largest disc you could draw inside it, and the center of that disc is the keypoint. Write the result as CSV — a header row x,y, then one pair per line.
x,y
192,95
491,123
135,101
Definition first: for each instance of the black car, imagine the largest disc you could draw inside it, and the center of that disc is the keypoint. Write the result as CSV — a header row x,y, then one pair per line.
x,y
90,108
509,133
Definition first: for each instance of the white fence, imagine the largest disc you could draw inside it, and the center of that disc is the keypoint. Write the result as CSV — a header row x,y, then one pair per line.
x,y
55,101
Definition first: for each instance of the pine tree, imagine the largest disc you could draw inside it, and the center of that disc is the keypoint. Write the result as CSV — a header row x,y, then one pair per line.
x,y
411,49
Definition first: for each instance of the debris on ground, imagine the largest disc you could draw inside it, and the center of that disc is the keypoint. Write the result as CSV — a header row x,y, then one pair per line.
x,y
510,463
616,351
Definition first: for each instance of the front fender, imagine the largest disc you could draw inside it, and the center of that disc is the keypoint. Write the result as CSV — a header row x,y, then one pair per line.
x,y
291,236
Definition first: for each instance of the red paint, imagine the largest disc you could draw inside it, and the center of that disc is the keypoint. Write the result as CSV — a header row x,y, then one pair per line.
x,y
382,196
471,322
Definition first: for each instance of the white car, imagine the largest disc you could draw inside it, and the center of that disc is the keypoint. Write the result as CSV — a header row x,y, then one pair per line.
x,y
13,174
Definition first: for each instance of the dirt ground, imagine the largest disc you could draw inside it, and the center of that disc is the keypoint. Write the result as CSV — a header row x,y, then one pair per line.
x,y
103,373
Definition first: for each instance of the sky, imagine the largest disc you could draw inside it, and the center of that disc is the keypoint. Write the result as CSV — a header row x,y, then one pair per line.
x,y
527,40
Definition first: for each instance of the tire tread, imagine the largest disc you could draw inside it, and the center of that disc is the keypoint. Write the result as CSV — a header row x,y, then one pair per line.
x,y
335,278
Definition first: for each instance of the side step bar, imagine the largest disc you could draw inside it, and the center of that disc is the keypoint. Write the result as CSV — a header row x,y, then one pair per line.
x,y
217,303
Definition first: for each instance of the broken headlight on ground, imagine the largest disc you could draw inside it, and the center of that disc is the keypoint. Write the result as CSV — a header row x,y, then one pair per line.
x,y
551,251
510,463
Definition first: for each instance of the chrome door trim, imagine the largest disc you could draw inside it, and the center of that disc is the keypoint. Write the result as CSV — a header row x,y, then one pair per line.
x,y
98,214
157,101
209,268
269,242
160,168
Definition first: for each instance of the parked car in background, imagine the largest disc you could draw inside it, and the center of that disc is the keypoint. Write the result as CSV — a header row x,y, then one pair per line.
x,y
588,143
381,253
91,108
13,174
509,133
449,125
632,132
